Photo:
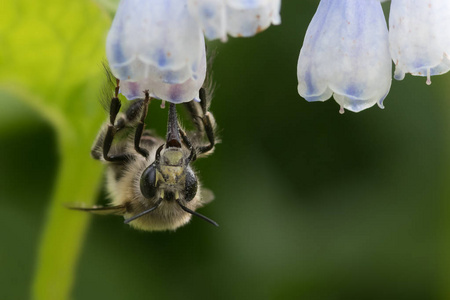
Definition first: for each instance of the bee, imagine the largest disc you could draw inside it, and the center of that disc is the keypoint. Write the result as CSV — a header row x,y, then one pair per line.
x,y
150,180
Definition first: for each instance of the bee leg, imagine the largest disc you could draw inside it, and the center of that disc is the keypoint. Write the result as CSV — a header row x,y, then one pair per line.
x,y
187,142
140,127
109,137
203,120
209,130
104,141
105,138
112,129
101,210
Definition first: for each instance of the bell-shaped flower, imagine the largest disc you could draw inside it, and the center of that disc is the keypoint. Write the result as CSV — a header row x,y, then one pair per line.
x,y
172,92
157,45
346,53
419,36
238,18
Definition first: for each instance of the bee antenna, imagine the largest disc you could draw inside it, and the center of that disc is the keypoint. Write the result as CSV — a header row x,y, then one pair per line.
x,y
144,212
196,214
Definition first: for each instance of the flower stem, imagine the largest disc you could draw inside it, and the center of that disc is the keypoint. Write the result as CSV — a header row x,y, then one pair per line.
x,y
77,181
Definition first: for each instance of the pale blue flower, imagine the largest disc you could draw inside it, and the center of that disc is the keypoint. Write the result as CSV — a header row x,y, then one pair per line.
x,y
172,92
419,35
157,45
238,18
346,54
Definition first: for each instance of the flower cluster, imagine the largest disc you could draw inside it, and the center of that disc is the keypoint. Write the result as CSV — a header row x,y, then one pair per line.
x,y
158,45
348,50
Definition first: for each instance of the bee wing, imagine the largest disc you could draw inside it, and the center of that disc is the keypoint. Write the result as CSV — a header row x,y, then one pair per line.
x,y
101,210
206,195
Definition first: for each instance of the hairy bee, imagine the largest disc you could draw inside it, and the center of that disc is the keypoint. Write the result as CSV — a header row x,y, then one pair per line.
x,y
151,181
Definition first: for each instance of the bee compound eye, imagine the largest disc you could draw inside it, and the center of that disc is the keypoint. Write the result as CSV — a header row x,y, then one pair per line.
x,y
148,181
190,186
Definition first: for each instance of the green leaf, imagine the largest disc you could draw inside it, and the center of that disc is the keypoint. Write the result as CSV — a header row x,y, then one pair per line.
x,y
109,5
50,58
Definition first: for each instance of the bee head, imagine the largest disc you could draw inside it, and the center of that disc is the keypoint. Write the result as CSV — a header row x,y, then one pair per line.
x,y
170,177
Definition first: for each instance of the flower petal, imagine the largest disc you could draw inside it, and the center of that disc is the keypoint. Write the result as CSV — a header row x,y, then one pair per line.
x,y
346,52
248,17
211,15
235,17
175,93
419,35
149,34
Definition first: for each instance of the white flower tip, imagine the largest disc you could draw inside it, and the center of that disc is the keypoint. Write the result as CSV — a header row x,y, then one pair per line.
x,y
428,77
163,104
381,101
342,110
356,104
197,99
276,20
399,74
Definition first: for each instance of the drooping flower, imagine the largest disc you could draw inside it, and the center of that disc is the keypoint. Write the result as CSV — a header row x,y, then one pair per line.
x,y
157,45
172,92
238,18
346,54
419,36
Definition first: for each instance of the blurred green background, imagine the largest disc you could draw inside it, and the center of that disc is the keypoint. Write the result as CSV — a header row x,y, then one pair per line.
x,y
312,204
